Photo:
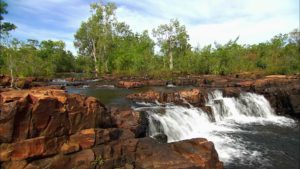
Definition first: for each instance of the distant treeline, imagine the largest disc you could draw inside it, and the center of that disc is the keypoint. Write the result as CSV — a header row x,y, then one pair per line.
x,y
106,45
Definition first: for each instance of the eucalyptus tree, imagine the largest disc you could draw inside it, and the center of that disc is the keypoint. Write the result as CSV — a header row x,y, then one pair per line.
x,y
172,39
5,27
94,37
6,57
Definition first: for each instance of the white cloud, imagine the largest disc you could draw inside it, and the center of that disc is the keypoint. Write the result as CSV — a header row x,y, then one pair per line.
x,y
220,20
206,21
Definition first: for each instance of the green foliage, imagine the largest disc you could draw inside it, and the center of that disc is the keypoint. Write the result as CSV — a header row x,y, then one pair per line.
x,y
98,162
35,59
5,27
172,39
106,45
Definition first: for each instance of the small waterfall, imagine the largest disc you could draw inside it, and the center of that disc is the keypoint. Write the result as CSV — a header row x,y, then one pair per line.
x,y
248,106
179,123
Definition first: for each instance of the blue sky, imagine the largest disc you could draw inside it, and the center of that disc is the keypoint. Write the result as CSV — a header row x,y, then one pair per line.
x,y
206,20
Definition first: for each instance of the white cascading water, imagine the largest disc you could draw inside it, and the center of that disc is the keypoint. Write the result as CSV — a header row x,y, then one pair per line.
x,y
179,123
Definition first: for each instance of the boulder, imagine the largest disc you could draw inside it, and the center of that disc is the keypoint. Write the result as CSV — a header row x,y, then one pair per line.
x,y
134,121
295,103
194,153
192,96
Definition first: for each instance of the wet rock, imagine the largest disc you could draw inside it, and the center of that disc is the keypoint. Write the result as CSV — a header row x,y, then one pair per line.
x,y
131,120
231,92
193,96
295,103
161,138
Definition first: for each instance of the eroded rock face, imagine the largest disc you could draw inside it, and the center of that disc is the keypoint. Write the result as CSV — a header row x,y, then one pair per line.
x,y
134,121
50,113
47,128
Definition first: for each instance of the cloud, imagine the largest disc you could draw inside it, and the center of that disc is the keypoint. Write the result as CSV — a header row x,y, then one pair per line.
x,y
206,21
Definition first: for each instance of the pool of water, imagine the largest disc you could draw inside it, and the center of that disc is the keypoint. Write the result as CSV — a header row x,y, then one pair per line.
x,y
112,96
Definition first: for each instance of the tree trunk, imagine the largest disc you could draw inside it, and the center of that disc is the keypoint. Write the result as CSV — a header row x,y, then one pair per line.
x,y
12,78
171,59
11,71
95,59
106,61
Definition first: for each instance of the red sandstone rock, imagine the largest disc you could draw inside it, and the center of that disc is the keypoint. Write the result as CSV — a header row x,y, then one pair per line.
x,y
130,84
193,96
84,138
195,153
5,80
29,148
146,96
36,147
14,164
7,117
131,120
82,159
5,152
68,148
50,130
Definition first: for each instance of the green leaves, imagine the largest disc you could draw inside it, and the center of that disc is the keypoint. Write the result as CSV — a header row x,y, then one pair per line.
x,y
172,39
5,27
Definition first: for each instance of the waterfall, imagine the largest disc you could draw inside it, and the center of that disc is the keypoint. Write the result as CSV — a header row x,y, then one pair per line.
x,y
179,123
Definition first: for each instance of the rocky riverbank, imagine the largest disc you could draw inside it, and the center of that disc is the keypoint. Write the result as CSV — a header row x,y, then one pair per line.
x,y
48,128
283,92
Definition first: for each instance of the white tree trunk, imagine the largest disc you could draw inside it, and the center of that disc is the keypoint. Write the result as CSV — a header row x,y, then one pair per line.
x,y
95,59
12,78
171,59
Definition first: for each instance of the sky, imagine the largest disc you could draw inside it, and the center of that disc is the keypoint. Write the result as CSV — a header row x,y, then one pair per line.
x,y
207,21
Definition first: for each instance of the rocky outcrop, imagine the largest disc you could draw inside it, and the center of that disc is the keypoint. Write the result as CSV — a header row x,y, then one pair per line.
x,y
192,96
22,83
48,128
183,154
283,92
140,83
130,84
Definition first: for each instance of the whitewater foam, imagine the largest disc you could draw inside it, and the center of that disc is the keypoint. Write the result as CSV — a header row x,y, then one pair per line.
x,y
180,123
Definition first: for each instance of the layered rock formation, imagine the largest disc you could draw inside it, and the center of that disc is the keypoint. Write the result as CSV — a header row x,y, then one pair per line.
x,y
283,92
48,128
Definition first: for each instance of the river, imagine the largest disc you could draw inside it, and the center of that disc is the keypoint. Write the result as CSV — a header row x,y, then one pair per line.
x,y
245,130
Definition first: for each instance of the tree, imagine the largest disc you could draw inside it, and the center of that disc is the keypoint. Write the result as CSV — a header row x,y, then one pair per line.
x,y
94,37
5,54
5,27
172,39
